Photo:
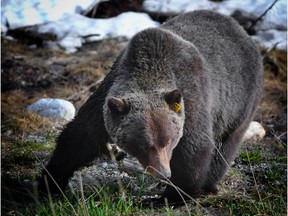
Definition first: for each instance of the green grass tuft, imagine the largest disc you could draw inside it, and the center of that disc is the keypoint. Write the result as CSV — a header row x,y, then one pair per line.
x,y
251,156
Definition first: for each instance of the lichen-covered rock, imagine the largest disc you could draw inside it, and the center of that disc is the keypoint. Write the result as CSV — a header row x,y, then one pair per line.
x,y
57,109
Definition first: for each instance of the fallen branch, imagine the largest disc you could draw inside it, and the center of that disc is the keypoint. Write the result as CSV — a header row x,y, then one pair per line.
x,y
131,166
29,35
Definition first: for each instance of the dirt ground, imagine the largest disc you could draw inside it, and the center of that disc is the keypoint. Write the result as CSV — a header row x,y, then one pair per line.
x,y
29,73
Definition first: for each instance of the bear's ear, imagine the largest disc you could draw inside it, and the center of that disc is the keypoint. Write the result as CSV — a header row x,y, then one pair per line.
x,y
118,105
173,98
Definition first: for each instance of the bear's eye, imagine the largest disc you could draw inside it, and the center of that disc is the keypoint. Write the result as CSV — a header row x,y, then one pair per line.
x,y
148,147
118,105
173,99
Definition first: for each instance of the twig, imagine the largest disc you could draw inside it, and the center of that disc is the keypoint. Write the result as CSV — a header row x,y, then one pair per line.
x,y
90,35
259,18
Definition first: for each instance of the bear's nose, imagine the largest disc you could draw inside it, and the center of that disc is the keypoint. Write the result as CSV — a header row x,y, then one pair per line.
x,y
160,174
164,174
167,174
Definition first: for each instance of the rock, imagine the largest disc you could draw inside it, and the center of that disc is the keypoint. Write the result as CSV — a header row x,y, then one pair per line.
x,y
57,109
254,132
104,165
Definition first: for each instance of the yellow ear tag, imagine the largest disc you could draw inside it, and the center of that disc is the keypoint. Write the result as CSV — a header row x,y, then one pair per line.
x,y
177,107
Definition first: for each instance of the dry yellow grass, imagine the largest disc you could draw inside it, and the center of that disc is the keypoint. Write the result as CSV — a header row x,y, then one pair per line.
x,y
16,121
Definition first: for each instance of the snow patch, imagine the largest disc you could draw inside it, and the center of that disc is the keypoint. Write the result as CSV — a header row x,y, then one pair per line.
x,y
24,13
174,7
275,18
271,38
72,29
271,29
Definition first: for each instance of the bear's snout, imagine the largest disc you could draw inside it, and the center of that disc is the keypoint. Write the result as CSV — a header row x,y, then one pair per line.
x,y
159,163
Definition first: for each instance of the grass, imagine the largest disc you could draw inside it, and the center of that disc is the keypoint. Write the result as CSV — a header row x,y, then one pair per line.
x,y
104,201
251,157
261,190
256,185
20,158
29,146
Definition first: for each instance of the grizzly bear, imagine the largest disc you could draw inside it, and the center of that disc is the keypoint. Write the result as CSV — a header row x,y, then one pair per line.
x,y
178,98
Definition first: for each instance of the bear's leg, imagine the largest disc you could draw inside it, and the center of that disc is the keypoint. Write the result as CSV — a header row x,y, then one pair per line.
x,y
224,154
189,167
80,142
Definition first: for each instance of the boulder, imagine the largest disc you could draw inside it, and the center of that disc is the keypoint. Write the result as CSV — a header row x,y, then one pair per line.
x,y
57,109
254,132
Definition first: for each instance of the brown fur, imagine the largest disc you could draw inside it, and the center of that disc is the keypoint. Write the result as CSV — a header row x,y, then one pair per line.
x,y
201,60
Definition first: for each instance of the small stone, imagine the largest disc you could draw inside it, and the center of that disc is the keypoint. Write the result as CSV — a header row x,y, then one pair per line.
x,y
104,164
27,181
254,132
57,109
18,57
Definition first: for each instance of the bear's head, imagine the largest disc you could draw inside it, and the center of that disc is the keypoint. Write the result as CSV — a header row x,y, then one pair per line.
x,y
148,126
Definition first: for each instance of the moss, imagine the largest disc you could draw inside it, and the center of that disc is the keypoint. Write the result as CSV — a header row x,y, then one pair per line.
x,y
34,146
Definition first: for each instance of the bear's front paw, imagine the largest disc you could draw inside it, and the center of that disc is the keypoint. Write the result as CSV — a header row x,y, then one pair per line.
x,y
211,190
